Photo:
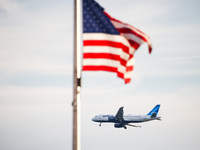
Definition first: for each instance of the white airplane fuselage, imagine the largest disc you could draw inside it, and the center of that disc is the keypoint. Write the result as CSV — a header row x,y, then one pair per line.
x,y
121,121
127,118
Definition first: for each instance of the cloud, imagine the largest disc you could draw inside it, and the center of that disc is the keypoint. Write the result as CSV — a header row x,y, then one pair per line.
x,y
173,66
38,42
12,7
23,95
137,12
34,115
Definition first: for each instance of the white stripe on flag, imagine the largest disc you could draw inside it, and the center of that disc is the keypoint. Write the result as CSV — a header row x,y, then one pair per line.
x,y
133,37
123,25
106,49
106,37
104,62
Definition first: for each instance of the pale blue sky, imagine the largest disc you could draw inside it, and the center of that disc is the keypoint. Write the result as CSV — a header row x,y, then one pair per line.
x,y
36,56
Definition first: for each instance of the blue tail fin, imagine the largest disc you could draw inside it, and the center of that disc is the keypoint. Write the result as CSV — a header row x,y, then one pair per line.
x,y
154,111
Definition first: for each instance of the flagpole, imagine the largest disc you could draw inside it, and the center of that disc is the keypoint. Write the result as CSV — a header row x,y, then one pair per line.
x,y
77,74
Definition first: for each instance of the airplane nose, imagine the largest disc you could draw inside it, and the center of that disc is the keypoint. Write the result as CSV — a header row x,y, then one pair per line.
x,y
94,119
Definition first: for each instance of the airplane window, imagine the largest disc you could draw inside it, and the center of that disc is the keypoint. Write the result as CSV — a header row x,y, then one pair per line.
x,y
105,115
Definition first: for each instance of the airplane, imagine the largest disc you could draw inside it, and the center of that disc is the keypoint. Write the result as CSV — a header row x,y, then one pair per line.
x,y
122,121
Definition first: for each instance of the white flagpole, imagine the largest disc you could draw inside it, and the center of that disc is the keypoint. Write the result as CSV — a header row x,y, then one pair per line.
x,y
77,74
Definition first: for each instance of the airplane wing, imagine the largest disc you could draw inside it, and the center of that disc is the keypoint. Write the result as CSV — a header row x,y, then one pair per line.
x,y
128,124
120,114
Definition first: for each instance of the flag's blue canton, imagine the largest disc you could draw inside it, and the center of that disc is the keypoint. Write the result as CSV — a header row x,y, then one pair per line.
x,y
94,20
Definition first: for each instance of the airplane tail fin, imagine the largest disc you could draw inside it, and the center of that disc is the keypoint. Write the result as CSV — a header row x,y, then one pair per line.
x,y
153,113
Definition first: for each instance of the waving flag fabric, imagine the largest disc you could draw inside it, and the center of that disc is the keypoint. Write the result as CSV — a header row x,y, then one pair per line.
x,y
109,44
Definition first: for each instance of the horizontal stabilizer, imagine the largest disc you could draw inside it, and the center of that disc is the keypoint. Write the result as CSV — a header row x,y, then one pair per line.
x,y
153,115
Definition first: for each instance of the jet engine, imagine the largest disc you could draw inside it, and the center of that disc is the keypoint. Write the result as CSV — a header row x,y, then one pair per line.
x,y
119,125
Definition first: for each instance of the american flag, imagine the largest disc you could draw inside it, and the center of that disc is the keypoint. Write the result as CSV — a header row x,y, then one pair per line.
x,y
109,44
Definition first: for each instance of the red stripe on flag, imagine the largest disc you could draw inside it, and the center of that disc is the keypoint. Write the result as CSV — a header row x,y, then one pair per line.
x,y
106,68
99,68
134,31
134,44
127,80
128,26
120,75
105,56
128,30
129,68
106,43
